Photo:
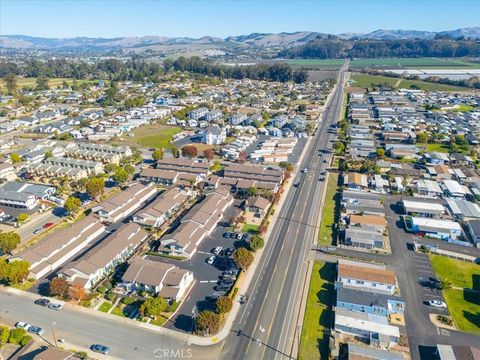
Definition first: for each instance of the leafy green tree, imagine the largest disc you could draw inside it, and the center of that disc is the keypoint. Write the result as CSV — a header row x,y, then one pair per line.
x,y
16,335
22,217
422,138
95,187
110,168
4,334
11,83
153,306
208,322
256,242
224,304
120,176
129,169
8,242
42,83
15,158
252,191
286,165
243,258
380,152
157,154
48,154
445,284
72,204
13,272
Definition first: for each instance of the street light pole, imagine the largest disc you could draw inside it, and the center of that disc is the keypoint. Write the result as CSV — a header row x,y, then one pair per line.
x,y
53,333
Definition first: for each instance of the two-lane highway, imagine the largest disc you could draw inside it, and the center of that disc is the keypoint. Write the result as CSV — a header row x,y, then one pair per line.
x,y
265,328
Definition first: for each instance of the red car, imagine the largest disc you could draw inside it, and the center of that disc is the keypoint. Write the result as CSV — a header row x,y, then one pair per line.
x,y
47,225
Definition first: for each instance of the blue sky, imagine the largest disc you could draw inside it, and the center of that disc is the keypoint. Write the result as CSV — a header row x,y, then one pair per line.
x,y
195,18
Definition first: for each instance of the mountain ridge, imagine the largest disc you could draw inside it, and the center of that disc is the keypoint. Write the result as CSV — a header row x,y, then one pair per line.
x,y
282,39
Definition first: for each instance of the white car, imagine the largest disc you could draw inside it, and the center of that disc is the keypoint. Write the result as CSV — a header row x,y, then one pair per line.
x,y
304,170
23,325
217,250
211,259
437,304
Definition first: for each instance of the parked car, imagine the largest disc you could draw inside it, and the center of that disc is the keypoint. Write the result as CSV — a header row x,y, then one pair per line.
x,y
211,259
217,250
222,287
36,330
233,235
42,302
102,349
57,307
47,225
36,231
226,235
213,297
437,304
229,252
22,325
225,281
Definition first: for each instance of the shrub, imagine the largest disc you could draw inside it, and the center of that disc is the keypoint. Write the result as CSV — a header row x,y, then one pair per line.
x,y
102,289
127,300
173,306
224,304
110,296
4,334
208,321
16,335
85,303
25,340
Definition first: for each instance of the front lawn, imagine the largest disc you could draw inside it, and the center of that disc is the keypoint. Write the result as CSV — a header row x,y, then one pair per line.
x,y
159,321
117,311
463,299
250,228
318,313
327,233
437,147
105,307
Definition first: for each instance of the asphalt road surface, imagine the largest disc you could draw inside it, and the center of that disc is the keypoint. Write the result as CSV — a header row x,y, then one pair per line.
x,y
266,326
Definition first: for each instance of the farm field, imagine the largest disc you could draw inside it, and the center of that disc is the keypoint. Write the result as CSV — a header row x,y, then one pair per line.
x,y
366,80
438,63
329,64
53,83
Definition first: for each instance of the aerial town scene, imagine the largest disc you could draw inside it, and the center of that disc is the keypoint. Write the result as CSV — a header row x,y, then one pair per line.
x,y
240,180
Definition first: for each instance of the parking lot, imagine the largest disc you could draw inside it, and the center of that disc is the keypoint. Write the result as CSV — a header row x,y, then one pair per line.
x,y
206,275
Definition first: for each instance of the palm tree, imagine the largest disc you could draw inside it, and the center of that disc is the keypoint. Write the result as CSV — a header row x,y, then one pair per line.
x,y
445,284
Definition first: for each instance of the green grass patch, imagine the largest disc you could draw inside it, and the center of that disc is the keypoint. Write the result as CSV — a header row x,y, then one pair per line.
x,y
436,147
464,108
463,299
52,83
159,321
105,307
24,286
250,228
117,311
159,138
438,63
465,312
173,257
326,232
461,274
370,81
318,313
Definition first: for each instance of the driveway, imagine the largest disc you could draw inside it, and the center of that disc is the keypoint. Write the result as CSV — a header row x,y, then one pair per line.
x,y
206,276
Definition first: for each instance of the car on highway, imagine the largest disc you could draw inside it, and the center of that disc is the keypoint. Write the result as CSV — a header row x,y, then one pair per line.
x,y
47,225
437,304
98,348
325,161
56,307
321,179
22,325
211,259
36,330
42,302
37,231
217,250
304,170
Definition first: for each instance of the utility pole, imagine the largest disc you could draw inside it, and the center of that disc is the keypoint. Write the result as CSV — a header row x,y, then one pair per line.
x,y
53,333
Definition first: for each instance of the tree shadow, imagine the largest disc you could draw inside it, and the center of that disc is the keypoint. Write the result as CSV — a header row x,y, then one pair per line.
x,y
184,322
471,296
471,317
476,282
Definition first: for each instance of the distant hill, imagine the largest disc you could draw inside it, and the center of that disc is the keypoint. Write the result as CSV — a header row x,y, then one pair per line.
x,y
260,40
